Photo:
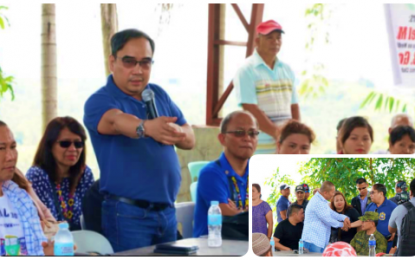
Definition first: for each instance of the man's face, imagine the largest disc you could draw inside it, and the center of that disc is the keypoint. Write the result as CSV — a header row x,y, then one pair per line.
x,y
362,188
242,147
307,194
285,192
300,195
132,79
376,196
368,224
8,154
269,44
328,195
300,215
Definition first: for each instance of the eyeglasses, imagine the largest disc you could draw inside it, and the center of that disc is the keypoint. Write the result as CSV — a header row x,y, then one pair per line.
x,y
66,144
361,188
372,192
131,62
242,133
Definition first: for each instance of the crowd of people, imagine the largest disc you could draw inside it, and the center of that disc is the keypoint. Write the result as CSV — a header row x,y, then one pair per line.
x,y
328,218
132,204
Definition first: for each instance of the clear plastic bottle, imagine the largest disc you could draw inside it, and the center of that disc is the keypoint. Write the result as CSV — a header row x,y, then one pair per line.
x,y
300,247
214,225
272,243
64,241
372,245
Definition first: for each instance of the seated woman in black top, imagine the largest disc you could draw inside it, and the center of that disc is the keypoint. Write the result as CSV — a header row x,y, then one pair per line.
x,y
339,204
288,232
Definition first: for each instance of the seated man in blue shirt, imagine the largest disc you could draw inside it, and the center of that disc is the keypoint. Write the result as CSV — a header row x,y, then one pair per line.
x,y
134,144
384,208
226,179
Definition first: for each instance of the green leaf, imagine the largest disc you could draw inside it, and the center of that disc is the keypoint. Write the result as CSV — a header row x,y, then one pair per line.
x,y
391,102
379,102
11,90
368,99
2,23
386,103
404,108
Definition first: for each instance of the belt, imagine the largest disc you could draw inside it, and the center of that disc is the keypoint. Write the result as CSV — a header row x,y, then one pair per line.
x,y
142,203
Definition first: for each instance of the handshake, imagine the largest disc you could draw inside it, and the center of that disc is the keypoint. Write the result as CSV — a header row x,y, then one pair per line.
x,y
346,225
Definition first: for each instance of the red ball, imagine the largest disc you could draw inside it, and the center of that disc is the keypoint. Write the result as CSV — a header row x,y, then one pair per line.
x,y
339,249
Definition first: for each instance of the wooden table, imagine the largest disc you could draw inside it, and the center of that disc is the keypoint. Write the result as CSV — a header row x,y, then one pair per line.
x,y
228,248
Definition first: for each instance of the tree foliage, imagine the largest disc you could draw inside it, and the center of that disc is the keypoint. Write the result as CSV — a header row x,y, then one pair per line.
x,y
343,172
5,81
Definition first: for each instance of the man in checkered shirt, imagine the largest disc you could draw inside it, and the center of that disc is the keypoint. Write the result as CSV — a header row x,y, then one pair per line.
x,y
319,219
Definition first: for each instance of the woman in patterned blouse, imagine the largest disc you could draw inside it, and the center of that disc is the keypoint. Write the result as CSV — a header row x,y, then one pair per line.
x,y
261,213
59,174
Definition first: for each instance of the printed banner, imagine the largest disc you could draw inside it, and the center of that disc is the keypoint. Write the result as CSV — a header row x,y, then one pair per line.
x,y
401,28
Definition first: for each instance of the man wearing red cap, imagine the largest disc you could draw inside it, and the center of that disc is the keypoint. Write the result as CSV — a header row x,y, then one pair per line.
x,y
265,86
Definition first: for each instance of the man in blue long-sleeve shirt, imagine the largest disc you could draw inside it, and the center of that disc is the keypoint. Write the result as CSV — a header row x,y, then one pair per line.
x,y
319,219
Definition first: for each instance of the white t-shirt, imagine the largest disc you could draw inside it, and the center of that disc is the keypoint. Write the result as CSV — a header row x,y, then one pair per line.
x,y
12,240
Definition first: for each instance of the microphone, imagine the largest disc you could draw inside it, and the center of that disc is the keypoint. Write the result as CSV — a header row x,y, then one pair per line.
x,y
149,99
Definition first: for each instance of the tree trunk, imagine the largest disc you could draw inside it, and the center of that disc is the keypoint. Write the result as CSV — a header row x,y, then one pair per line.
x,y
49,78
109,25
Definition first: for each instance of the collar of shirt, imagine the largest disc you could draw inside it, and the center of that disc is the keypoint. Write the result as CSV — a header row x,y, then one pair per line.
x,y
116,91
258,61
320,197
229,170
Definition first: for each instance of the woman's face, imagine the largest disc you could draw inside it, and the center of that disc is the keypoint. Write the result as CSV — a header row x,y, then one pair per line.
x,y
294,144
403,146
359,142
255,193
68,148
339,202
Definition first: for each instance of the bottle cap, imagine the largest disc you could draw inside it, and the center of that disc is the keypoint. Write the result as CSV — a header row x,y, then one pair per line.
x,y
214,203
63,225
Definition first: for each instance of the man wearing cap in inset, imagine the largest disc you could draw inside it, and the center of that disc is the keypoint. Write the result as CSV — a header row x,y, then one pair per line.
x,y
283,203
399,188
265,86
300,194
307,191
360,242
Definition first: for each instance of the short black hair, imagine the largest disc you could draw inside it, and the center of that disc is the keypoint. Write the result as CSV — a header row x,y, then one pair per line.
x,y
339,125
361,180
293,208
2,123
412,187
380,188
399,132
119,39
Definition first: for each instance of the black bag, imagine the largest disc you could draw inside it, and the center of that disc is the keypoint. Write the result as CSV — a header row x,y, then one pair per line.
x,y
407,232
236,227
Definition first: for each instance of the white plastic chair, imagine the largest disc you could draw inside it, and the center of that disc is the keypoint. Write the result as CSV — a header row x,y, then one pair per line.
x,y
184,214
89,241
193,190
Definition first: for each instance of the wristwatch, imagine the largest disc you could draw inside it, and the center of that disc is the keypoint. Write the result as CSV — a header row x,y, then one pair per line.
x,y
140,129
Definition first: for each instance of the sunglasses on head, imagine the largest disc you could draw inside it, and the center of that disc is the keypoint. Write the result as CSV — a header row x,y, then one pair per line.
x,y
131,62
242,133
66,144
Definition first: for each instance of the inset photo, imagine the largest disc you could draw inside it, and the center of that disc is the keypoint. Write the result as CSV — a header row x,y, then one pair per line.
x,y
342,206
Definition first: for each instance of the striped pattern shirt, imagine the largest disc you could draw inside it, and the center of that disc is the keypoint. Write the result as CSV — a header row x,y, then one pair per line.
x,y
273,90
28,217
319,218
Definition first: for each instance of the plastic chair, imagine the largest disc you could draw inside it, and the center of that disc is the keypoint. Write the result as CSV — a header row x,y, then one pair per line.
x,y
89,241
194,169
193,190
184,215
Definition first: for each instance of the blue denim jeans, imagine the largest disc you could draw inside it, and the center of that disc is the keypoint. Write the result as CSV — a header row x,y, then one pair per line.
x,y
129,227
313,248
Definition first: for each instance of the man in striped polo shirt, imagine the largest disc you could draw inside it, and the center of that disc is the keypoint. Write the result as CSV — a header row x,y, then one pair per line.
x,y
265,86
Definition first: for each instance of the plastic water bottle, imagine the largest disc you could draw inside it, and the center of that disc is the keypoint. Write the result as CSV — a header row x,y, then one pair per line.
x,y
214,225
372,245
272,243
300,247
64,241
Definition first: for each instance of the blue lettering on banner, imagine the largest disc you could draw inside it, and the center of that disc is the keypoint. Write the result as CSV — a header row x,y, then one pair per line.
x,y
5,214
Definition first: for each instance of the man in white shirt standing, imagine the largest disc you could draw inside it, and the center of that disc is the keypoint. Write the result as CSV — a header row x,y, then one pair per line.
x,y
319,219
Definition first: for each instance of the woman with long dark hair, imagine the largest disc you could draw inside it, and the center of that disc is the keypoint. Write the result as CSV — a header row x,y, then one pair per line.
x,y
59,174
356,136
339,204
